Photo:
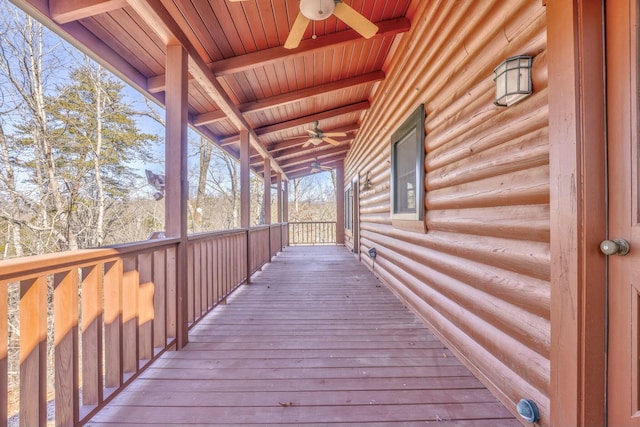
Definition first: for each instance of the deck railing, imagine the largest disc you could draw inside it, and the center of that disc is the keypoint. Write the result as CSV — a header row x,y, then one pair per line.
x,y
108,312
312,233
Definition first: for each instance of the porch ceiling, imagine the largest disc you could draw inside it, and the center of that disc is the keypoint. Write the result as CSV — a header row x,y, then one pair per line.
x,y
242,76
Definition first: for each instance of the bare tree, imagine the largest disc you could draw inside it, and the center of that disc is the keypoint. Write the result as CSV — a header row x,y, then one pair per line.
x,y
8,182
25,62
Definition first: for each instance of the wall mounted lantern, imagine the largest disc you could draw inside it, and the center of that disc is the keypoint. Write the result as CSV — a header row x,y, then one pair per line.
x,y
367,182
513,80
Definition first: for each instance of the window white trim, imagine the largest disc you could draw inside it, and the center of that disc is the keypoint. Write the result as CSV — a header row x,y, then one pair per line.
x,y
414,123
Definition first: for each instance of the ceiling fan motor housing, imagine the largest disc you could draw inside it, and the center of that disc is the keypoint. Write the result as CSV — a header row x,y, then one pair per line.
x,y
317,10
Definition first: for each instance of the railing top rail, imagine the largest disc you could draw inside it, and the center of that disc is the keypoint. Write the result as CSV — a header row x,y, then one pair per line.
x,y
214,234
311,222
23,268
32,266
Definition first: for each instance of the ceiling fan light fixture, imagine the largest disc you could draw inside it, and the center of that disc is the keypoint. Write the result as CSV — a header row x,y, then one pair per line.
x,y
317,10
315,140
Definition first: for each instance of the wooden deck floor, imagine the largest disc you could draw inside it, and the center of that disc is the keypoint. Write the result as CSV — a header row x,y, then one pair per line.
x,y
315,340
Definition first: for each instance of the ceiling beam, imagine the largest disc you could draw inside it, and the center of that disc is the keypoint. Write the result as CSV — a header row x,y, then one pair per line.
x,y
318,153
264,57
161,21
65,11
295,143
301,121
284,154
156,84
277,54
321,154
207,118
298,153
302,139
290,97
299,171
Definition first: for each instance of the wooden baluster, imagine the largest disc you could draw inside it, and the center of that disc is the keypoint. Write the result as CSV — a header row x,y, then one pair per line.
x,y
197,280
172,293
146,313
33,352
203,276
92,335
211,257
65,303
112,284
225,269
130,284
190,285
204,272
159,300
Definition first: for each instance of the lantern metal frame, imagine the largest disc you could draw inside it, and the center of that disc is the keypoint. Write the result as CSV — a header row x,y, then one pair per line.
x,y
513,80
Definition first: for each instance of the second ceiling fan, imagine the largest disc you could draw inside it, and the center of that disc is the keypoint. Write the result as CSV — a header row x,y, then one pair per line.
x,y
319,10
316,136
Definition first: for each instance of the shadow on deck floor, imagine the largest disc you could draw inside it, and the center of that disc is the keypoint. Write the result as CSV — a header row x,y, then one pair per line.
x,y
316,339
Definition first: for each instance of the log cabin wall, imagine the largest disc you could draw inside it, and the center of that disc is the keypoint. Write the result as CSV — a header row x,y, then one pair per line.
x,y
480,274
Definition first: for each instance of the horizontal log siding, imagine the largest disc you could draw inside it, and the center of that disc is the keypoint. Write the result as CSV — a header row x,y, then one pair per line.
x,y
480,275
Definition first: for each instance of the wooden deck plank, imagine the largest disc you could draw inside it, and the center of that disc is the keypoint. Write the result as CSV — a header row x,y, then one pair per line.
x,y
293,354
306,363
143,385
441,423
303,398
302,414
316,340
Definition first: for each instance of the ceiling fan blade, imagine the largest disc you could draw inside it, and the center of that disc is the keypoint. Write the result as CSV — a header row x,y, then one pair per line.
x,y
306,144
297,32
332,134
359,23
331,141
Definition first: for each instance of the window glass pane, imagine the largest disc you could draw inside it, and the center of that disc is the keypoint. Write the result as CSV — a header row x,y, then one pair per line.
x,y
348,209
405,188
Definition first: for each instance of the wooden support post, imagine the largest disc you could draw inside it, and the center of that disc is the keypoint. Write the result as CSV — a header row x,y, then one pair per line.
x,y
267,199
279,196
176,192
577,199
285,212
285,205
340,203
245,199
267,191
279,203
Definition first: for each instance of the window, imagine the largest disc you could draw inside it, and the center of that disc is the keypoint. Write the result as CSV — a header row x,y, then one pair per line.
x,y
407,169
348,208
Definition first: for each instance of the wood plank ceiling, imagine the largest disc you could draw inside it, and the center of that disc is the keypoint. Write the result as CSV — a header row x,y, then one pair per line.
x,y
277,92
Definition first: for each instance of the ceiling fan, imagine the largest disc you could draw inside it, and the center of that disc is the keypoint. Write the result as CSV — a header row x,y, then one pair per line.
x,y
317,167
319,10
316,136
